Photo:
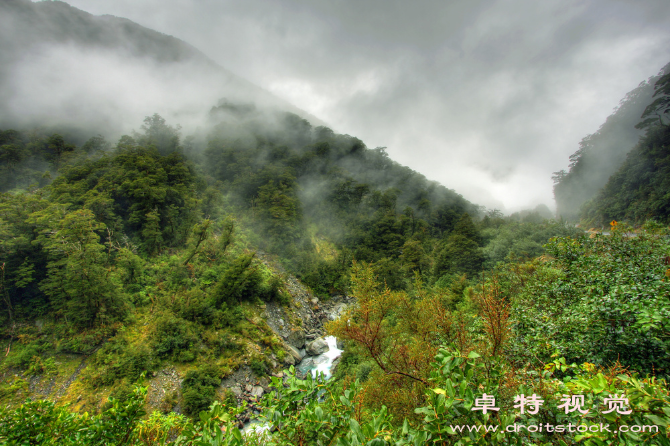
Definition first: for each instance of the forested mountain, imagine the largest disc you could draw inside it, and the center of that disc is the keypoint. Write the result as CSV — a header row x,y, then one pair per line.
x,y
603,152
161,286
640,188
81,74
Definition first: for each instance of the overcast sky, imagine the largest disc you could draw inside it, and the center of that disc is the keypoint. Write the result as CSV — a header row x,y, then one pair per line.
x,y
487,97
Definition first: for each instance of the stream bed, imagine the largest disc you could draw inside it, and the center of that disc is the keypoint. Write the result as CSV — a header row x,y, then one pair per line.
x,y
322,363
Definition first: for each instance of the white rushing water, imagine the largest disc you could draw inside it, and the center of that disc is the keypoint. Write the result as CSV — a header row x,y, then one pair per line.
x,y
322,363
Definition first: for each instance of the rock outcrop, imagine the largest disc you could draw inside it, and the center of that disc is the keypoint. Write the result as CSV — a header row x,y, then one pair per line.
x,y
317,347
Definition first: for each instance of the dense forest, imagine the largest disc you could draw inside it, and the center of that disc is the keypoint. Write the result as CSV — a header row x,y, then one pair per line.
x,y
169,286
156,252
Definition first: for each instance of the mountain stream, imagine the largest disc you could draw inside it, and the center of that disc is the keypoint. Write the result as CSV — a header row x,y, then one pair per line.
x,y
322,363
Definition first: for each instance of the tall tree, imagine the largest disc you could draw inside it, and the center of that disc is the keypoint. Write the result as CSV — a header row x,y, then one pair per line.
x,y
81,285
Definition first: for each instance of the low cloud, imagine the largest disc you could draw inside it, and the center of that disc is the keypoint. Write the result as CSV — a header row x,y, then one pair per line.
x,y
486,97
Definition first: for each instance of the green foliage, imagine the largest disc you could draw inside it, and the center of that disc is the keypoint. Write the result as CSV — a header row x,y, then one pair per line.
x,y
600,154
239,281
24,355
71,339
140,220
198,389
244,280
79,282
312,411
259,367
195,306
119,360
44,423
23,160
459,255
149,196
284,181
324,276
460,252
39,366
175,338
660,106
521,240
593,301
639,189
278,205
160,135
228,316
215,427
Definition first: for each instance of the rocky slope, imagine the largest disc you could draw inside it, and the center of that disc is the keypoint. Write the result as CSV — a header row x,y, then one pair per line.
x,y
299,326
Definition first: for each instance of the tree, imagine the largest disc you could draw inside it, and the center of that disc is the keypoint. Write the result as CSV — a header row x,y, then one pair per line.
x,y
399,333
164,137
151,233
459,255
461,252
654,112
56,147
467,228
80,284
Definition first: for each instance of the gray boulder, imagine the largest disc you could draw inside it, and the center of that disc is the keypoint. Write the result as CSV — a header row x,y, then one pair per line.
x,y
257,392
293,352
316,347
296,338
288,359
337,311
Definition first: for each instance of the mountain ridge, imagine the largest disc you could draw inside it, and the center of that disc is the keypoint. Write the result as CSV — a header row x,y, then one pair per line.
x,y
32,31
603,152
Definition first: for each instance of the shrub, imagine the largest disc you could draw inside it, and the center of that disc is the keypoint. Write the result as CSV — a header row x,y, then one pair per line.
x,y
118,360
259,367
227,316
199,389
175,337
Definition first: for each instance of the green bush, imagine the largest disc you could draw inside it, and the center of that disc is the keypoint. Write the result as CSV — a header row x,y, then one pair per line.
x,y
363,371
44,423
175,337
194,306
199,389
24,356
601,299
39,366
259,367
227,316
118,360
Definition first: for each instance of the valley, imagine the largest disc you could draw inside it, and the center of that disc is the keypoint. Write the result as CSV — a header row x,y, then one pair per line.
x,y
227,260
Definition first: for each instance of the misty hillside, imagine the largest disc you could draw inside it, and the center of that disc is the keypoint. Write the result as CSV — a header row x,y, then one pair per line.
x,y
638,190
603,152
27,25
181,253
65,68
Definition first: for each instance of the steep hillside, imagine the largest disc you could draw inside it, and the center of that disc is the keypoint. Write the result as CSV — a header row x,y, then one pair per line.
x,y
640,189
85,74
603,152
201,262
